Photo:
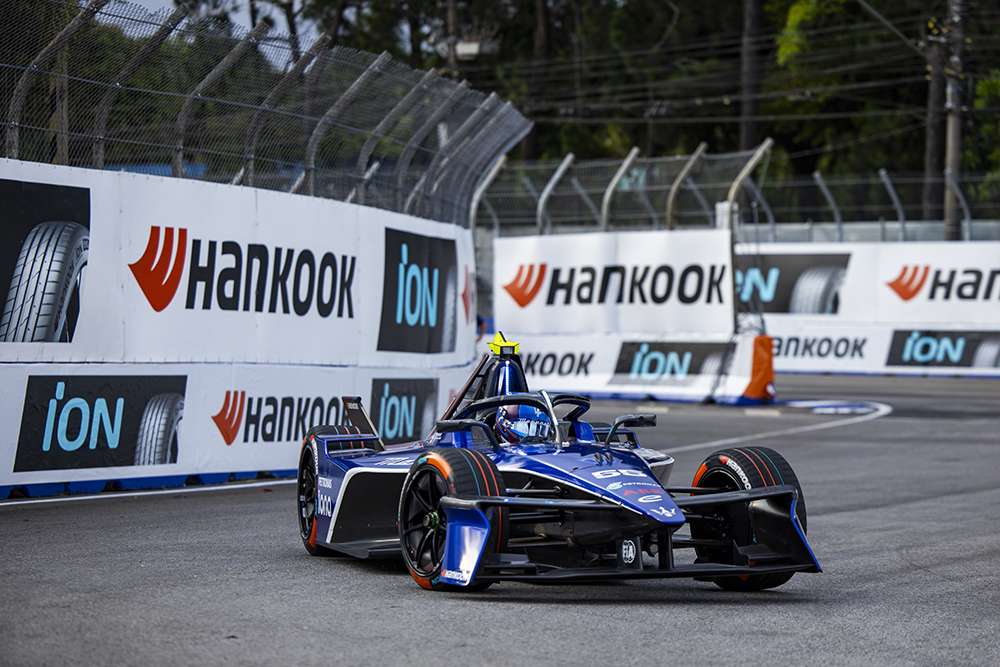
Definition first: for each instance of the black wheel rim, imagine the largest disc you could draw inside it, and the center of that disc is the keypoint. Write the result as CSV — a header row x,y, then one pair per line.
x,y
307,496
722,528
422,521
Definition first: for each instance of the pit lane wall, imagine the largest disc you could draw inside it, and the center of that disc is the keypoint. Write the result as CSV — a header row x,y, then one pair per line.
x,y
209,326
650,312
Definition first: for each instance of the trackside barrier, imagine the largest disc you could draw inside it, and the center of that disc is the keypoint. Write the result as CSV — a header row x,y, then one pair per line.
x,y
651,313
883,308
191,331
692,367
648,311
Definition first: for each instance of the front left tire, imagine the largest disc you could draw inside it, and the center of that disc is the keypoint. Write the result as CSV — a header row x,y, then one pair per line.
x,y
423,526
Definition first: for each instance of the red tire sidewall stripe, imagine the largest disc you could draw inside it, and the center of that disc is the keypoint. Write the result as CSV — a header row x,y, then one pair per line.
x,y
763,463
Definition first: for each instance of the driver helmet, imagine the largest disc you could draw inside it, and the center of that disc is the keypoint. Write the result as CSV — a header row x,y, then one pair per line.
x,y
517,423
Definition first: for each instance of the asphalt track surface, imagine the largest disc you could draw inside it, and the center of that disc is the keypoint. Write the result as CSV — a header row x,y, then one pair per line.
x,y
904,516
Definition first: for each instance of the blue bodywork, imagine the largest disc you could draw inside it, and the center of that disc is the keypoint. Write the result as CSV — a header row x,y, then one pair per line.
x,y
585,503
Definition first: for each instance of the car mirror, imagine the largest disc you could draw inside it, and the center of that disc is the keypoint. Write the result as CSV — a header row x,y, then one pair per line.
x,y
629,421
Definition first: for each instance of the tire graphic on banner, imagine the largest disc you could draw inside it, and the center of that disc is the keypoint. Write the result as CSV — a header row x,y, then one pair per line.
x,y
157,440
45,286
987,354
817,290
450,328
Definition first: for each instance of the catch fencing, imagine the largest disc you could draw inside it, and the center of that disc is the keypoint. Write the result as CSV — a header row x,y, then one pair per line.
x,y
108,85
553,196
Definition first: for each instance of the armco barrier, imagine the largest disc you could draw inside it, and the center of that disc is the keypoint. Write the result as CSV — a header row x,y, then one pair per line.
x,y
193,330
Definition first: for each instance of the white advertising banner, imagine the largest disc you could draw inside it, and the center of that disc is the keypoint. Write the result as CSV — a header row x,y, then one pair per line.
x,y
135,424
165,328
913,282
675,368
164,269
618,282
904,308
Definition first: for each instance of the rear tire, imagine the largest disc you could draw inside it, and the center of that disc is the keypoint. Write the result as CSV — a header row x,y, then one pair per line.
x,y
445,471
733,470
307,484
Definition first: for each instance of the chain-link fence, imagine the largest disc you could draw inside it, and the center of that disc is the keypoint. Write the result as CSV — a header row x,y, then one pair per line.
x,y
600,195
586,196
682,191
108,85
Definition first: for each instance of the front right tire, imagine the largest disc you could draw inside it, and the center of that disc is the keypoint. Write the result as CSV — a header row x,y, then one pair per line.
x,y
732,470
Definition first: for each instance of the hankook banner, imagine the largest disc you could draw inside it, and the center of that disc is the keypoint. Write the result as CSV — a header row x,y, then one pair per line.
x,y
616,282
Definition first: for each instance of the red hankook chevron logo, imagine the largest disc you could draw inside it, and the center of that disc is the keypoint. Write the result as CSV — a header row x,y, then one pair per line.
x,y
525,285
231,415
906,285
159,281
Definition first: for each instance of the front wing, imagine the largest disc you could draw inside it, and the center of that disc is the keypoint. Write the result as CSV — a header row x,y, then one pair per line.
x,y
780,544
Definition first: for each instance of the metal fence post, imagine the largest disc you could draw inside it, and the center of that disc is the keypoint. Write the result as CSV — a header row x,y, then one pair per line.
x,y
257,122
900,214
404,105
818,177
403,164
331,115
692,185
549,187
966,213
480,191
467,158
180,125
127,72
768,213
745,172
20,93
587,201
446,149
681,176
507,138
619,175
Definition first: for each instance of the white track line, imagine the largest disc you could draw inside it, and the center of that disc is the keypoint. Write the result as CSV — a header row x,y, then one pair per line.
x,y
155,492
881,410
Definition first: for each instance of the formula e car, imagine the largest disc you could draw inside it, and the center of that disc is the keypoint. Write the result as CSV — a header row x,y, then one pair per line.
x,y
514,486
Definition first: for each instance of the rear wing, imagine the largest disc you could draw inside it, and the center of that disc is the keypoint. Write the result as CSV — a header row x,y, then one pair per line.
x,y
358,417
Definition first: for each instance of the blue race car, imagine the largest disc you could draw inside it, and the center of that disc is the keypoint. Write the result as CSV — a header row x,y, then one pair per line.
x,y
515,486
